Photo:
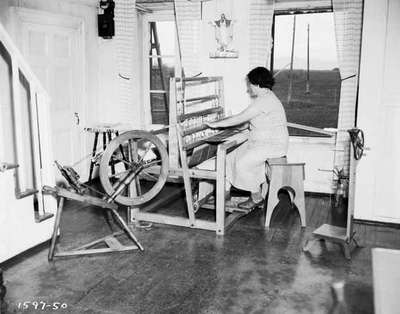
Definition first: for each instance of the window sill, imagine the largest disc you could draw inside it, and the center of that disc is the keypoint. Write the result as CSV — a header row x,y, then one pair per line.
x,y
312,140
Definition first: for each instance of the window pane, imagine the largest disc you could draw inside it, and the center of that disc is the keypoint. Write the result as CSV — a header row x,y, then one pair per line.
x,y
162,67
7,133
159,71
165,33
26,168
159,111
310,92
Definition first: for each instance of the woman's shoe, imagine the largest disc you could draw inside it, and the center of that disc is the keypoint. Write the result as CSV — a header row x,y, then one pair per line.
x,y
250,204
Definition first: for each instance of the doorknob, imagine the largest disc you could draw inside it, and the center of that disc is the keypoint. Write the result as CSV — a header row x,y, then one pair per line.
x,y
7,166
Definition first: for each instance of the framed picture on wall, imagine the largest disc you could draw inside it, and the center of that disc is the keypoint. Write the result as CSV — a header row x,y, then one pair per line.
x,y
224,38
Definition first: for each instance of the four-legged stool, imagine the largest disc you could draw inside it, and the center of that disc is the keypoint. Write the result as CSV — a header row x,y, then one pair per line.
x,y
289,177
107,132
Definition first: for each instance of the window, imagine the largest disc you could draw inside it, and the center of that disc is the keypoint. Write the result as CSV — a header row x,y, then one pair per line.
x,y
162,68
305,68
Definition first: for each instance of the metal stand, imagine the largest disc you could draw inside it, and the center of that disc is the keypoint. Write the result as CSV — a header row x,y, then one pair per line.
x,y
334,234
112,243
342,236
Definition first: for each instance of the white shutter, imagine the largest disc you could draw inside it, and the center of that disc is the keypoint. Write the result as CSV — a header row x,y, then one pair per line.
x,y
127,59
348,20
260,32
188,16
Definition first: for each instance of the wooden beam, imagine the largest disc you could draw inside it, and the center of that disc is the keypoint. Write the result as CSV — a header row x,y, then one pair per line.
x,y
200,113
195,173
310,128
87,199
176,221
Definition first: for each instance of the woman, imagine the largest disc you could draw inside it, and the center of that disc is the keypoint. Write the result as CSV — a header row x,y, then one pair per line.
x,y
268,136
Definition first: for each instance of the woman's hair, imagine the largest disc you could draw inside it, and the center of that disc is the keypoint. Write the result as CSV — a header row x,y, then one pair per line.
x,y
262,77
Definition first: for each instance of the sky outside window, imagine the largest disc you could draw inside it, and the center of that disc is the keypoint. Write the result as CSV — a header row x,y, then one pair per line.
x,y
322,41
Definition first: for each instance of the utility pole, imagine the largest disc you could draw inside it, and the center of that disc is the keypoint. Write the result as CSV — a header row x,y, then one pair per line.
x,y
308,60
291,62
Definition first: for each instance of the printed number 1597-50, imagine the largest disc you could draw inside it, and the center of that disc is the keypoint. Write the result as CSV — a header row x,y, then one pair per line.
x,y
41,305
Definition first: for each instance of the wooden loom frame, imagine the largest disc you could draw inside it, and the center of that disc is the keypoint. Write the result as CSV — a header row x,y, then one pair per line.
x,y
180,165
179,162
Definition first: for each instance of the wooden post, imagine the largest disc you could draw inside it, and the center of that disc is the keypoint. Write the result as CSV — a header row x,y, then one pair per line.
x,y
55,228
291,61
172,132
351,196
308,60
186,178
220,190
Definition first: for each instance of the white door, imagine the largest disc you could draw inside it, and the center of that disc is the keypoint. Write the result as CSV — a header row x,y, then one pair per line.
x,y
378,173
54,52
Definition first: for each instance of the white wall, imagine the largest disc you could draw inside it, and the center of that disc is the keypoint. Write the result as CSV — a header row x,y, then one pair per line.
x,y
232,70
378,173
102,81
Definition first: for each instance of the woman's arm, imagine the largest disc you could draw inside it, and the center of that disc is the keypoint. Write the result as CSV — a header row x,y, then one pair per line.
x,y
237,119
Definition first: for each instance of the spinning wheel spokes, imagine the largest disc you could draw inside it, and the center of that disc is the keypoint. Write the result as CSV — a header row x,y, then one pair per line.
x,y
140,161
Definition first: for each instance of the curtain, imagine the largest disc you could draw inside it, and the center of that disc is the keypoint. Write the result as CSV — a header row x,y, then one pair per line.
x,y
348,25
188,18
125,18
260,32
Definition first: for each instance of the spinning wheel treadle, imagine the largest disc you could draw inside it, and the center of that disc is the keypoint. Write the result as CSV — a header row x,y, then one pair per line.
x,y
139,159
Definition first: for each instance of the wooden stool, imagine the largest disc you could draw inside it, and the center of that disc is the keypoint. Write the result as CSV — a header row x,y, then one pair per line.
x,y
107,132
288,177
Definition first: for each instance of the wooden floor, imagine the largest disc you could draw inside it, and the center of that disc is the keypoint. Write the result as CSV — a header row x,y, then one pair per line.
x,y
249,270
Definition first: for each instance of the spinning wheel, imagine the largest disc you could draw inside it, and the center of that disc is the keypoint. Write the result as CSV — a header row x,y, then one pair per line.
x,y
140,161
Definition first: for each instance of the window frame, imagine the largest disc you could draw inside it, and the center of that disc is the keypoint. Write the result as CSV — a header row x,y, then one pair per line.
x,y
157,16
292,11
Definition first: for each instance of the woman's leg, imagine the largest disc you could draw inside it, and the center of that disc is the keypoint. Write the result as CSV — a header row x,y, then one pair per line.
x,y
248,171
249,175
